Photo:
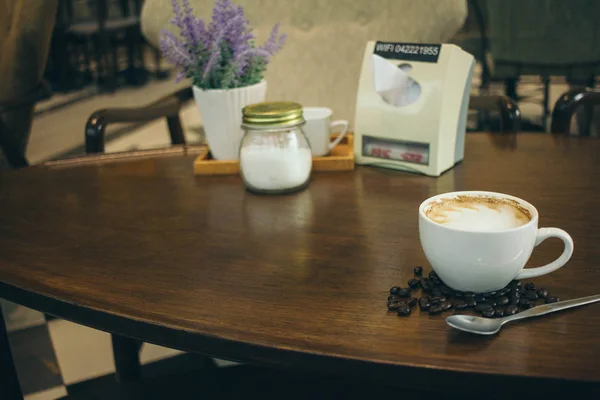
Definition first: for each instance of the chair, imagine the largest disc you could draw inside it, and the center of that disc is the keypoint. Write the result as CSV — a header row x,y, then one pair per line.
x,y
543,38
169,106
334,36
472,38
568,104
98,28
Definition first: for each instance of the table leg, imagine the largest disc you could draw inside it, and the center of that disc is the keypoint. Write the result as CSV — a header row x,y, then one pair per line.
x,y
9,382
126,353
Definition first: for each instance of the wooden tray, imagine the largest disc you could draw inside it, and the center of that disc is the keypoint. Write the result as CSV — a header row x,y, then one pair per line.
x,y
341,158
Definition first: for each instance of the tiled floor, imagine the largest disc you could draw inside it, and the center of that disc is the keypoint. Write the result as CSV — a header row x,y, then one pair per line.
x,y
54,359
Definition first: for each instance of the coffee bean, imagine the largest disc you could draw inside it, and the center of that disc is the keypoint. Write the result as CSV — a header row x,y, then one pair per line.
x,y
543,293
426,285
414,283
515,284
392,305
435,300
514,299
442,298
412,302
518,290
482,306
404,310
531,295
502,292
393,297
469,294
524,302
552,299
436,280
461,305
502,301
424,303
418,271
394,289
511,310
499,313
435,309
529,286
471,302
432,274
479,298
436,291
458,294
488,313
447,291
489,295
446,305
531,305
404,292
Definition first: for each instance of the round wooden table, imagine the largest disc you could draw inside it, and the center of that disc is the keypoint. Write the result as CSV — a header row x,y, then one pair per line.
x,y
144,249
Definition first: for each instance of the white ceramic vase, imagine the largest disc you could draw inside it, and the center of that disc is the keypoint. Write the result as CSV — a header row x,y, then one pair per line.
x,y
221,113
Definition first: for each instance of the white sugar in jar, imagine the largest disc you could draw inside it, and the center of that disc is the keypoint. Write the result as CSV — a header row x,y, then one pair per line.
x,y
275,155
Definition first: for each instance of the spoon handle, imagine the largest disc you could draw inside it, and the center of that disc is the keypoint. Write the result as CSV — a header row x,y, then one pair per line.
x,y
549,308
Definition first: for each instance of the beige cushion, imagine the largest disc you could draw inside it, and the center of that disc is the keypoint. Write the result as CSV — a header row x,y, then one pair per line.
x,y
320,63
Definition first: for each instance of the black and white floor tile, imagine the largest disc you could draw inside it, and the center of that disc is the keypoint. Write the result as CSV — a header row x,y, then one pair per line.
x,y
60,358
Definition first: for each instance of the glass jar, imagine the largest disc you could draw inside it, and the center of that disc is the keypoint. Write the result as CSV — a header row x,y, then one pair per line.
x,y
275,155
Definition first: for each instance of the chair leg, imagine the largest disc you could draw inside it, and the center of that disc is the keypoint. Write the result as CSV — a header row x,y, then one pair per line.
x,y
87,72
114,56
175,130
126,353
107,81
137,74
10,388
12,151
511,88
587,112
546,81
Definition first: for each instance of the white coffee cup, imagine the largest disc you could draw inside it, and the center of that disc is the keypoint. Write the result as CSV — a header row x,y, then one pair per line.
x,y
484,261
318,129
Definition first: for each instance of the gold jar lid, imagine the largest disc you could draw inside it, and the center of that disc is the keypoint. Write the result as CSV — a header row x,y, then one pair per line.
x,y
272,114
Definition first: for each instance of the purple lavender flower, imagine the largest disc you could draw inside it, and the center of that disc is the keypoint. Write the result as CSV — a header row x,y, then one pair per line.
x,y
175,51
274,44
222,55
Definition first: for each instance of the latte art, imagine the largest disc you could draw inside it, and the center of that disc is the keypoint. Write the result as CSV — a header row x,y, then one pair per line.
x,y
478,213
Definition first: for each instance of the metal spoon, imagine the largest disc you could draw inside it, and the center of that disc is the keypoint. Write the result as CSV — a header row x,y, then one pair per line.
x,y
488,326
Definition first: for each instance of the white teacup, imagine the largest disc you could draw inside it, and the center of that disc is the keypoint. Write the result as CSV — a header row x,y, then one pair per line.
x,y
318,129
472,248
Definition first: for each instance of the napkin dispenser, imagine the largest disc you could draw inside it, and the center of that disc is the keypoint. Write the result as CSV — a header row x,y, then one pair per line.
x,y
411,106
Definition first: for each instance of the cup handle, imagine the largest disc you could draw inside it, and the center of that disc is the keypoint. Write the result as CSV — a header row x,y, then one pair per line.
x,y
543,234
343,123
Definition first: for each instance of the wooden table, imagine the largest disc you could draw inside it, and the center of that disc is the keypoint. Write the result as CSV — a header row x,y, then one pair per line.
x,y
145,249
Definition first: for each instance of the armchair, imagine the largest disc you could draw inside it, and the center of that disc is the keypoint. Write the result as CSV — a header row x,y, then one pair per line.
x,y
168,107
566,106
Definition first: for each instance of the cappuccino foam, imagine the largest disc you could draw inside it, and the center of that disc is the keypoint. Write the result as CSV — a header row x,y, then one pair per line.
x,y
478,213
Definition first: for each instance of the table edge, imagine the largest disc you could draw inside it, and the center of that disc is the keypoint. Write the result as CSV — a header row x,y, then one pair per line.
x,y
210,345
